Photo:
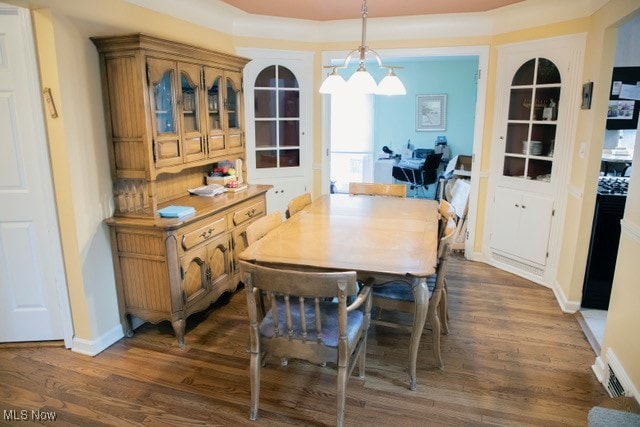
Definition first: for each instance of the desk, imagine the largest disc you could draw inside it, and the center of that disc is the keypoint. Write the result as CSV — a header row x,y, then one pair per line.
x,y
388,238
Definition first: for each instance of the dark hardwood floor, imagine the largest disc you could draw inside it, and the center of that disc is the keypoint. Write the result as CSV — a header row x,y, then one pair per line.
x,y
512,358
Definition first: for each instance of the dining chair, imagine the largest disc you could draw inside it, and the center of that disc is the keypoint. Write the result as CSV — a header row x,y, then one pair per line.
x,y
298,203
377,189
261,226
309,319
398,296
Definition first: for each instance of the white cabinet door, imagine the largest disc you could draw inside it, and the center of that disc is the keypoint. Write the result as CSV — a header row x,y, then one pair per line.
x,y
282,192
535,223
521,224
506,220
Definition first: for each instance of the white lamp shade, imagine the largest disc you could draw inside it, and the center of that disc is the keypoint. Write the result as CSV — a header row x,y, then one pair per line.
x,y
391,85
362,82
334,83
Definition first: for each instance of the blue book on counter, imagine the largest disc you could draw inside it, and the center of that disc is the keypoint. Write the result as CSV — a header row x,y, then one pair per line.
x,y
176,211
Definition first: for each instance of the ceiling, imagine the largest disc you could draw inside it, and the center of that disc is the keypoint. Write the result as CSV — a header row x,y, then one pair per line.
x,y
329,10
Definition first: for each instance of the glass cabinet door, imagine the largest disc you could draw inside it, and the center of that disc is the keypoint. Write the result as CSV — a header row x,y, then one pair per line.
x,y
214,104
277,118
233,114
162,93
190,103
531,122
164,103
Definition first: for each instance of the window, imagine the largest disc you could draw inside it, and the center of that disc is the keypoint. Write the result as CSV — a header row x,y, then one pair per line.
x,y
277,118
351,140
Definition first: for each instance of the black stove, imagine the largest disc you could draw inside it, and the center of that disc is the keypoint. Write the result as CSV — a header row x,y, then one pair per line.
x,y
616,185
605,238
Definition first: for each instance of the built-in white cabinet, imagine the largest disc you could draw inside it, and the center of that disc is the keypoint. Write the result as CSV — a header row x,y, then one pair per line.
x,y
537,93
521,224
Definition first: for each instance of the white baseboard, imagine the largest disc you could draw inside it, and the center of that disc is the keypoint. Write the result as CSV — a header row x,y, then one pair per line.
x,y
599,369
94,347
474,256
566,305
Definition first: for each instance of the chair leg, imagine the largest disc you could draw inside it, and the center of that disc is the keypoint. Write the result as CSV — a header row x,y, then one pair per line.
x,y
254,367
442,307
435,331
420,293
341,394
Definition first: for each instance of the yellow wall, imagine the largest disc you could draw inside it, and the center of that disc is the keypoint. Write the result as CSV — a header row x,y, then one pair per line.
x,y
69,65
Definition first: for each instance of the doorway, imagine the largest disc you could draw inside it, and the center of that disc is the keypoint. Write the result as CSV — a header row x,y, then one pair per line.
x,y
627,54
398,138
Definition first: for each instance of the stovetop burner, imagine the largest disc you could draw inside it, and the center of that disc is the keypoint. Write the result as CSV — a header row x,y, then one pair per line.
x,y
616,185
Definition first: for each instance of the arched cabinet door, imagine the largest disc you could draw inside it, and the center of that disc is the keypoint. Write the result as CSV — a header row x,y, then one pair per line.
x,y
190,107
534,99
162,75
219,264
216,143
194,274
234,112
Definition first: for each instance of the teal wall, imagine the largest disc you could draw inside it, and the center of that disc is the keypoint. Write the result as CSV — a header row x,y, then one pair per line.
x,y
395,116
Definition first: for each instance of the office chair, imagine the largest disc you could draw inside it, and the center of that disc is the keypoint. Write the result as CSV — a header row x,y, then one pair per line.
x,y
420,178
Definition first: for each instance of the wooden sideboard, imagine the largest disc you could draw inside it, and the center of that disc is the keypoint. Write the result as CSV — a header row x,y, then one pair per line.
x,y
168,269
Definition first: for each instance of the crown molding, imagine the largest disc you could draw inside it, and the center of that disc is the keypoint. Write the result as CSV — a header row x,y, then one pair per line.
x,y
220,16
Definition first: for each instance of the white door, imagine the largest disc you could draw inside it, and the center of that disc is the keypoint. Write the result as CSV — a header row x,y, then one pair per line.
x,y
278,99
33,299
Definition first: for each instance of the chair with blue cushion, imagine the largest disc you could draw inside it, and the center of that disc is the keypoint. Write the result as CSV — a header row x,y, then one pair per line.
x,y
310,318
398,296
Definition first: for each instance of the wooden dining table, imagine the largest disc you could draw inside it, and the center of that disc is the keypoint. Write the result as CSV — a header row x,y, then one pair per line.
x,y
387,238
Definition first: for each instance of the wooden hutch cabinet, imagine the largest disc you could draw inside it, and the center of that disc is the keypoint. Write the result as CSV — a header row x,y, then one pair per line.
x,y
173,112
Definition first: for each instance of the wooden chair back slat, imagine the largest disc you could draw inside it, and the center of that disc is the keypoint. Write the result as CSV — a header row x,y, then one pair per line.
x,y
261,226
377,189
298,203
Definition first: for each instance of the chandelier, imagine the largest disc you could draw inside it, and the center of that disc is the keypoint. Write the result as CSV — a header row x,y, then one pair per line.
x,y
361,81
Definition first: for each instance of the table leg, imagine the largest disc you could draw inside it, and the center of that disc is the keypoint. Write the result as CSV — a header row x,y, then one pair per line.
x,y
421,297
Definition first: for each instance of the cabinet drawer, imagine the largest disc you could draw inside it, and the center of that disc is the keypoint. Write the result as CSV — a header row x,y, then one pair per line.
x,y
249,211
203,233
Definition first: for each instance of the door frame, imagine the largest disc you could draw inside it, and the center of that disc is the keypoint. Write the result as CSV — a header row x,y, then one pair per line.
x,y
54,249
482,52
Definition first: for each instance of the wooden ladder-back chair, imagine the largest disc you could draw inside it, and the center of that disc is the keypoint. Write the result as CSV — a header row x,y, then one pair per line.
x,y
261,226
309,319
376,189
398,296
298,203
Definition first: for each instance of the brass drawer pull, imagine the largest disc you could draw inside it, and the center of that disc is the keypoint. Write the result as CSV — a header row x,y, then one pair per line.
x,y
206,234
251,212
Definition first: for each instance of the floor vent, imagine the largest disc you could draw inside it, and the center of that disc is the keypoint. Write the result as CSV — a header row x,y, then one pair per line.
x,y
517,264
614,386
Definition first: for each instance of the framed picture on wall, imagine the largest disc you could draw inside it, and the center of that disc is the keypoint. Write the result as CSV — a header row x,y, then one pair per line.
x,y
431,112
